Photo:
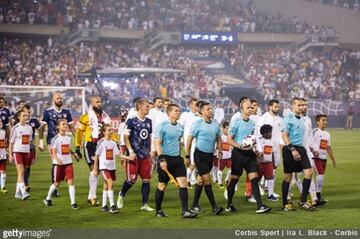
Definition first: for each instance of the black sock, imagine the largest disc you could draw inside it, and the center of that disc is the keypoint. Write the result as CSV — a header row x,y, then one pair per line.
x,y
197,194
256,191
210,195
53,174
184,198
306,185
125,187
285,191
318,195
231,190
145,191
26,176
159,196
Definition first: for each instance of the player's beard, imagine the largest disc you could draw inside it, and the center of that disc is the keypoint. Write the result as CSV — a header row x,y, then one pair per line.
x,y
58,104
98,110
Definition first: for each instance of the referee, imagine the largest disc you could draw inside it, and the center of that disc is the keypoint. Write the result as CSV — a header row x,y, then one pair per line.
x,y
207,133
168,147
243,158
295,156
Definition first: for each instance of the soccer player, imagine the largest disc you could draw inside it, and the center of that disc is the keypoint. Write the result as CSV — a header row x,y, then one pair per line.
x,y
105,161
265,158
50,117
19,150
90,124
226,156
61,154
138,143
272,118
3,159
243,157
295,156
186,119
207,133
35,125
168,145
322,144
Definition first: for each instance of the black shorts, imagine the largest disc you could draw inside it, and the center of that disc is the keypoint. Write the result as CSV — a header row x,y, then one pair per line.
x,y
292,166
203,162
243,159
89,152
175,166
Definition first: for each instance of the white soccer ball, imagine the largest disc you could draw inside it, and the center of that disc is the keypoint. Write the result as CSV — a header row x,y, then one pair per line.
x,y
248,141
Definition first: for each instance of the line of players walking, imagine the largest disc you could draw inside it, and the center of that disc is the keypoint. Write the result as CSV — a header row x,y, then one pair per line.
x,y
151,139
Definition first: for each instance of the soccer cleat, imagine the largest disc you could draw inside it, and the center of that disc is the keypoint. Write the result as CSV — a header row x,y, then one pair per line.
x,y
27,189
251,199
4,190
306,206
105,208
48,203
263,209
25,196
276,195
147,208
195,209
120,202
230,208
18,194
226,194
94,202
113,209
221,186
272,198
262,191
74,206
160,213
217,211
56,193
322,202
188,214
288,207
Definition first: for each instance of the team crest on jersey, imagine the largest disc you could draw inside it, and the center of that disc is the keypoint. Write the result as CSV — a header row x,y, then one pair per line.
x,y
144,134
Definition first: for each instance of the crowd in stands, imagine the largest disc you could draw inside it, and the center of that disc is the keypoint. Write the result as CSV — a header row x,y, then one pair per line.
x,y
284,73
149,15
350,4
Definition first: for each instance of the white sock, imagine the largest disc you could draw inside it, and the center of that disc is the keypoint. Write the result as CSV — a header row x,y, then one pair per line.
x,y
188,174
274,178
266,183
22,188
228,174
51,191
193,177
89,195
72,193
299,185
289,193
104,198
219,176
214,171
262,180
17,189
320,183
111,197
270,186
3,180
312,191
93,181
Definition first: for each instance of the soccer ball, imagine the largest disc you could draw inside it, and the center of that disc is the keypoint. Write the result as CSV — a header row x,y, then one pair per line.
x,y
248,141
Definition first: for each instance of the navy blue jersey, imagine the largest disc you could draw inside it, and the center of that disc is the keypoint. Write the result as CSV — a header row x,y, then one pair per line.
x,y
35,124
51,115
5,115
139,132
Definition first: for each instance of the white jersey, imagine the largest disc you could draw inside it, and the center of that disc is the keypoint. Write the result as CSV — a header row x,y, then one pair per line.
x,y
21,138
255,118
265,146
62,146
132,114
277,125
121,133
226,149
321,142
187,119
308,136
107,151
2,145
157,117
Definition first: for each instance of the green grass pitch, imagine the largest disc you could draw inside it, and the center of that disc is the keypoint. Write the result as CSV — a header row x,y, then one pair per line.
x,y
341,188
